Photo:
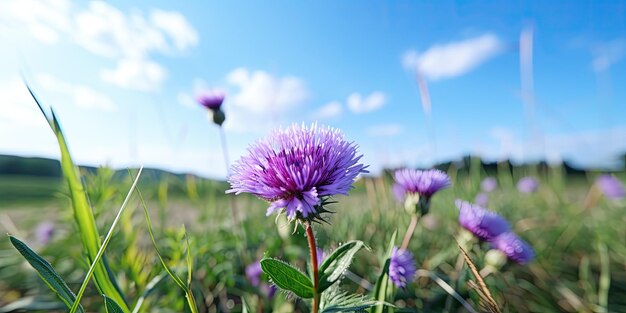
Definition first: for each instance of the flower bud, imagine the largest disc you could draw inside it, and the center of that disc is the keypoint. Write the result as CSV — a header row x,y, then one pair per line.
x,y
218,117
495,258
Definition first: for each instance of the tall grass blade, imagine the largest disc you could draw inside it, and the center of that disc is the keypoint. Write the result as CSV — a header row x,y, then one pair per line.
x,y
83,215
110,306
105,243
179,282
46,272
383,287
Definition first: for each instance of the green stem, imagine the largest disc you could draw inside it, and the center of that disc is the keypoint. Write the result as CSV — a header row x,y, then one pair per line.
x,y
313,250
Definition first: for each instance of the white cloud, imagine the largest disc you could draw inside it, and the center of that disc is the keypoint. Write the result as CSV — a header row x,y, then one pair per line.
x,y
386,130
605,55
44,20
138,74
82,96
359,104
129,38
454,58
332,109
259,91
176,26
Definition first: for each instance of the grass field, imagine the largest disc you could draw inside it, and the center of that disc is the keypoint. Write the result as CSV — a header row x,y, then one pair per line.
x,y
579,238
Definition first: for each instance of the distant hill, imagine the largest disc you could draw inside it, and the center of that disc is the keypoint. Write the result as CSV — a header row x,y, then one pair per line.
x,y
44,167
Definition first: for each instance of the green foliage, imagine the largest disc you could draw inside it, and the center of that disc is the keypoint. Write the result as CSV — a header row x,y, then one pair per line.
x,y
83,215
288,278
335,300
111,306
47,273
383,286
336,264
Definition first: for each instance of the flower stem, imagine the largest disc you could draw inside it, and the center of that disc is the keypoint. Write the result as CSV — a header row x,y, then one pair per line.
x,y
313,250
233,204
409,232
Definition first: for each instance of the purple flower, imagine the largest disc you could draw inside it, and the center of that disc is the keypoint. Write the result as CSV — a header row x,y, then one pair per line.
x,y
253,273
482,199
44,232
269,290
320,256
611,187
425,183
483,223
401,267
527,184
212,99
514,247
489,184
297,168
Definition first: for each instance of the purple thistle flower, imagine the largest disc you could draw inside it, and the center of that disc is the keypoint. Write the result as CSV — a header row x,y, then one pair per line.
x,y
514,247
253,273
402,267
610,186
44,232
211,99
482,199
489,184
527,184
297,168
425,183
483,223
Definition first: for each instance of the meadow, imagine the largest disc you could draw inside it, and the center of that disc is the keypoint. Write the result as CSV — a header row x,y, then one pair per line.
x,y
173,243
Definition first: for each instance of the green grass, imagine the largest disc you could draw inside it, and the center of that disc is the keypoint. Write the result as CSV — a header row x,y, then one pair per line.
x,y
567,275
27,189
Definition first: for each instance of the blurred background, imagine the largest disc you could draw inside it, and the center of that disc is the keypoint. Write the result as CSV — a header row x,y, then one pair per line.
x,y
476,88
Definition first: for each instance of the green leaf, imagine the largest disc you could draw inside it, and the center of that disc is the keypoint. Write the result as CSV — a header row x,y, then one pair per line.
x,y
287,277
46,272
111,306
337,263
83,215
335,300
382,285
245,308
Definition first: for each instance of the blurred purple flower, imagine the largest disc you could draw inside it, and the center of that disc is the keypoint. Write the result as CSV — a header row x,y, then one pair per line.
x,y
425,183
211,99
270,290
320,256
253,273
296,168
489,184
514,247
482,199
44,232
610,186
402,267
483,223
527,184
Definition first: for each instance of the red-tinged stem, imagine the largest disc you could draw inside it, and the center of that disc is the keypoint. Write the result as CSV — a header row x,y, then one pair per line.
x,y
313,250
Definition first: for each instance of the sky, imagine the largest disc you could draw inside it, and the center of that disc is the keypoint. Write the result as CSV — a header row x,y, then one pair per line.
x,y
411,82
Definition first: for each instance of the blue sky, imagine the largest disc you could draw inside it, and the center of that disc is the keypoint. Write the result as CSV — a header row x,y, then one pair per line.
x,y
122,78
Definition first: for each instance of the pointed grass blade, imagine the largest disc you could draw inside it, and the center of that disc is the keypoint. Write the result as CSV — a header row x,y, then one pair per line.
x,y
46,272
